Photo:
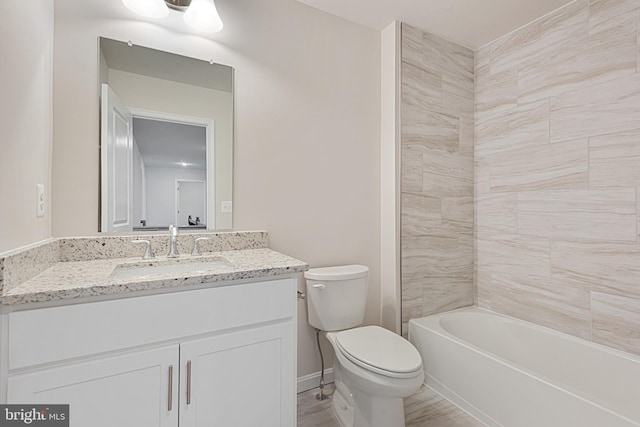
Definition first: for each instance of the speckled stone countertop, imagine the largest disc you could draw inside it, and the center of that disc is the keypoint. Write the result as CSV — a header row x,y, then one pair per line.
x,y
81,279
56,270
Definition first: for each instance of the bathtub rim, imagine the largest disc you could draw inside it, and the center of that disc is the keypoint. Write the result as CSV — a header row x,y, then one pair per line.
x,y
477,309
432,324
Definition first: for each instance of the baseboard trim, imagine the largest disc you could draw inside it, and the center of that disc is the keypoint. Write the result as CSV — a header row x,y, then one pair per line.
x,y
311,381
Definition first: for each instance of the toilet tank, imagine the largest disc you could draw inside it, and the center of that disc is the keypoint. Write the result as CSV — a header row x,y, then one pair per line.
x,y
336,296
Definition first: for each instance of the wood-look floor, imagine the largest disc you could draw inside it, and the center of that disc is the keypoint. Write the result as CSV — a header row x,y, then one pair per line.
x,y
425,408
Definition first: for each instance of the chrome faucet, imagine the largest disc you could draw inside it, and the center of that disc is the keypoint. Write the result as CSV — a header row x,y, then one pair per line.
x,y
148,252
173,242
196,247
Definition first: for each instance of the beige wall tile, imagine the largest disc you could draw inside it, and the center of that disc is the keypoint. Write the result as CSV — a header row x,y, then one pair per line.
x,y
588,214
496,213
457,212
482,284
514,255
447,57
437,201
421,88
412,51
543,301
557,172
435,257
600,266
614,160
604,14
546,167
616,321
532,42
441,295
457,101
466,248
412,302
466,136
447,174
428,130
580,63
421,214
496,93
442,184
411,171
482,178
609,107
550,74
523,126
483,58
458,93
451,165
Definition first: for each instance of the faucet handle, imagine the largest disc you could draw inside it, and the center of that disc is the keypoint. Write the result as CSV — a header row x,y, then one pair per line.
x,y
196,247
148,252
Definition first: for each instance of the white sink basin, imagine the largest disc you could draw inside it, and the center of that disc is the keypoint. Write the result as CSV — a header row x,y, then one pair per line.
x,y
187,267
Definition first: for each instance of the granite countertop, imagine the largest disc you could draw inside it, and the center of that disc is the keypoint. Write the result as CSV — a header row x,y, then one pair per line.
x,y
81,279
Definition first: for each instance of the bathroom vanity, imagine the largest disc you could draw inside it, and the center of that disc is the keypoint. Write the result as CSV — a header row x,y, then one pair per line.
x,y
214,346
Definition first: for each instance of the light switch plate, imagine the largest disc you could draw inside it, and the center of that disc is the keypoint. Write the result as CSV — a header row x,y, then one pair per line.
x,y
227,207
39,200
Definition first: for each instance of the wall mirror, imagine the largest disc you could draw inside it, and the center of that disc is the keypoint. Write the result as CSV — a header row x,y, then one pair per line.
x,y
166,140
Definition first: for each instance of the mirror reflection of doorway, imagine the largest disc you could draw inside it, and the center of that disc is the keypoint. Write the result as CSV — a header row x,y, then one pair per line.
x,y
143,154
191,203
167,152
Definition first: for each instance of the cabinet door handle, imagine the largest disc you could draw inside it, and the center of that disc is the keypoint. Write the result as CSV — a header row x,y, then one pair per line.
x,y
189,382
170,394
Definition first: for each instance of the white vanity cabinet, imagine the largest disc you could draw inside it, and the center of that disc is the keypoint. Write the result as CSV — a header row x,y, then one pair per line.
x,y
223,356
237,379
125,390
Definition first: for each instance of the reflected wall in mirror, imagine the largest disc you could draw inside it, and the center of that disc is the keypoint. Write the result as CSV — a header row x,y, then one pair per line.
x,y
166,140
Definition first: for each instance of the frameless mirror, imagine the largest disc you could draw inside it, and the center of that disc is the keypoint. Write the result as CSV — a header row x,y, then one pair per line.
x,y
166,140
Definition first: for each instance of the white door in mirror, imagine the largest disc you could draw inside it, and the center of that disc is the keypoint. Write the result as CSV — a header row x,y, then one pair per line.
x,y
116,156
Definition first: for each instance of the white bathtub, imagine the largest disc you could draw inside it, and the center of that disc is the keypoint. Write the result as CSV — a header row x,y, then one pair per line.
x,y
507,372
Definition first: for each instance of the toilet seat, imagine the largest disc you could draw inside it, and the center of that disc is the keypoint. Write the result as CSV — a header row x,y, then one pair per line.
x,y
380,350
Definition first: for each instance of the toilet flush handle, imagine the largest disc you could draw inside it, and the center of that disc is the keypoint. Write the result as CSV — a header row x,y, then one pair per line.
x,y
319,286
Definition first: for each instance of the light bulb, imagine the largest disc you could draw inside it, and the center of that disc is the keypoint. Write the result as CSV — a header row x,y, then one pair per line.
x,y
202,15
148,8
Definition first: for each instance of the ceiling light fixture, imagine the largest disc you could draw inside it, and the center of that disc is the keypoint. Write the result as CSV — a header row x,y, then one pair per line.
x,y
201,15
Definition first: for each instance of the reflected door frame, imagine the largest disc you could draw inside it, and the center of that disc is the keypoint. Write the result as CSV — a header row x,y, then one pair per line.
x,y
116,143
209,125
180,181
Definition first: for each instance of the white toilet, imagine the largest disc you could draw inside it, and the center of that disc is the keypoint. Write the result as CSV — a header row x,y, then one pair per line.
x,y
374,369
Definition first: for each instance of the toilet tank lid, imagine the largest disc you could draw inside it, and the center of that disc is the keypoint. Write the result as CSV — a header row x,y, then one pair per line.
x,y
342,272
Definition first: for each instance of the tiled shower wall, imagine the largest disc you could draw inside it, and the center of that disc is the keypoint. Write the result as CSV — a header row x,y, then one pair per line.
x,y
437,174
557,172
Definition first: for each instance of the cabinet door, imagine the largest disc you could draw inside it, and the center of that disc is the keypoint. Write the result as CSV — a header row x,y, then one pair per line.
x,y
124,390
240,379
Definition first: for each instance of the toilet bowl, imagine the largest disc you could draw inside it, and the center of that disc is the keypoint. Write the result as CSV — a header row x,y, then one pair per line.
x,y
374,369
377,371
